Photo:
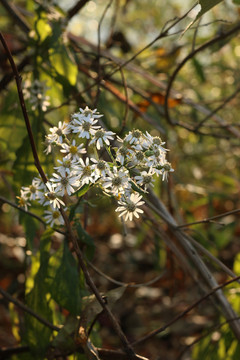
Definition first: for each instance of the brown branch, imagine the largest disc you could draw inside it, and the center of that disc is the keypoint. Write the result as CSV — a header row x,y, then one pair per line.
x,y
23,107
185,60
127,348
185,242
129,351
207,220
28,310
183,313
16,15
76,8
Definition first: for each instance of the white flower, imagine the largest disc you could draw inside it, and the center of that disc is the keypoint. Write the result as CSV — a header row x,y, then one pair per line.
x,y
129,206
85,113
51,197
66,165
100,167
85,128
23,200
53,217
34,92
124,154
153,142
50,141
65,182
86,172
134,138
101,136
145,178
117,181
60,132
73,150
33,191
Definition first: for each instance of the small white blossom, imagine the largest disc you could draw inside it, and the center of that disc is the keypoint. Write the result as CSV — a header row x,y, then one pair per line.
x,y
100,137
60,132
117,182
86,172
85,113
23,200
73,151
101,167
33,191
65,182
66,166
53,217
145,179
51,197
34,92
129,206
85,128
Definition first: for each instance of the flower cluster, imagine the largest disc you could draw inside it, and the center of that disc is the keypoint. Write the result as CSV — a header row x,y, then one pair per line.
x,y
86,158
34,92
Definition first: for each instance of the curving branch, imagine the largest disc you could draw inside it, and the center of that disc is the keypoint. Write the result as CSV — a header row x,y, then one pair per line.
x,y
185,60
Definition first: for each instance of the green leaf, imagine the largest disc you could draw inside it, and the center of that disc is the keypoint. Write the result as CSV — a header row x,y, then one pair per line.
x,y
65,288
43,29
63,64
237,2
30,226
199,69
37,335
64,339
84,237
206,5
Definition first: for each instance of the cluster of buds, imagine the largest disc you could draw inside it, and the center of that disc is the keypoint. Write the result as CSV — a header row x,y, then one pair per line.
x,y
88,156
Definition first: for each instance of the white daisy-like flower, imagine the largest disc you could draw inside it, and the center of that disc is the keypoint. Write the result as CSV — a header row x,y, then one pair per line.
x,y
50,142
100,137
33,191
101,167
73,151
34,92
117,181
154,142
65,183
135,138
59,132
66,165
85,128
85,113
129,206
124,154
163,170
138,158
145,179
23,200
51,197
86,172
53,217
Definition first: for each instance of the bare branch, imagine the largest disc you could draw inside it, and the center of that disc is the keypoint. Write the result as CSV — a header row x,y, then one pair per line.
x,y
28,310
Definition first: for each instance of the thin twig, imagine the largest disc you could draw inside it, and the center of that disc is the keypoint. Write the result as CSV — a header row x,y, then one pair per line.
x,y
127,348
183,313
185,60
120,283
18,18
99,50
76,8
24,110
28,310
207,220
